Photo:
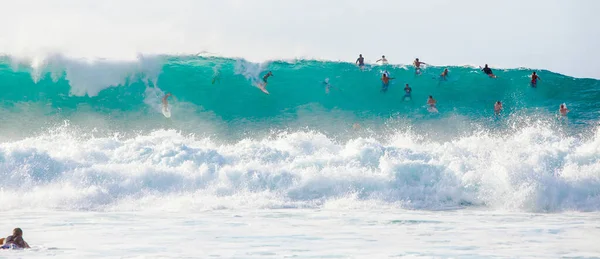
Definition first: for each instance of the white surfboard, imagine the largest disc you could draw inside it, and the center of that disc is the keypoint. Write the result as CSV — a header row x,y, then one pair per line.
x,y
263,89
166,111
432,109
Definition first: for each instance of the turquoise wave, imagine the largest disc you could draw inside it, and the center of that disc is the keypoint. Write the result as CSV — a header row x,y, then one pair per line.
x,y
225,90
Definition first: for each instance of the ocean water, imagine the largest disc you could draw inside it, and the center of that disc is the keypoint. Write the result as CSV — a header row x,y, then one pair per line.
x,y
91,168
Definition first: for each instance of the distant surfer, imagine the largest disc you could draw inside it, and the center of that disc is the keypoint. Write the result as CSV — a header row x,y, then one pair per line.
x,y
360,61
444,75
216,75
497,107
14,241
488,71
431,103
385,82
266,78
165,102
383,60
417,65
407,92
327,85
563,110
534,79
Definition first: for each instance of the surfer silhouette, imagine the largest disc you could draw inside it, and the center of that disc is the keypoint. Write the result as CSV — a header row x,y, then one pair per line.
x,y
417,65
534,79
360,61
383,60
407,92
266,77
488,71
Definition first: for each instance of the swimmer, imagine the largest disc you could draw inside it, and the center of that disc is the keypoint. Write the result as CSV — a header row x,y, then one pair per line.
x,y
563,110
164,100
444,74
360,61
407,92
385,82
417,65
497,107
16,240
534,79
431,103
488,71
383,60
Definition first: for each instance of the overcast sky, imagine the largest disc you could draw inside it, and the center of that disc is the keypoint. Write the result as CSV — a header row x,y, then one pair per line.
x,y
563,36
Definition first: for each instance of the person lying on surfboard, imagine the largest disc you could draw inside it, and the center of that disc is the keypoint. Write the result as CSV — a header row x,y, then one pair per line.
x,y
14,241
488,71
164,100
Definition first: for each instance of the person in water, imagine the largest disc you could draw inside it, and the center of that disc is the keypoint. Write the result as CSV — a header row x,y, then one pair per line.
x,y
431,103
497,107
563,110
165,102
534,79
417,65
383,60
385,82
488,71
360,61
407,92
444,75
15,240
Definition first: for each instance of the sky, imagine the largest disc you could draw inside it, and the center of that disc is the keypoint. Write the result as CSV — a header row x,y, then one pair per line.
x,y
558,35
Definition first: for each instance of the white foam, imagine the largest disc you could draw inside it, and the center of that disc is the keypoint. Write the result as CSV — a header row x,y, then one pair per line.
x,y
533,169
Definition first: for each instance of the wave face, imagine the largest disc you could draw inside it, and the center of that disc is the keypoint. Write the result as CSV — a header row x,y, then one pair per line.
x,y
80,135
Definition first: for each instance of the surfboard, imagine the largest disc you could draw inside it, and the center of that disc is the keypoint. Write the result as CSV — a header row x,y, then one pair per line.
x,y
166,111
432,109
263,89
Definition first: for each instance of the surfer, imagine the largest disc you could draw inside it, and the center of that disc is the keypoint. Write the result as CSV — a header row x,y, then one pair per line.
x,y
563,110
417,65
385,82
266,77
165,102
497,107
383,60
444,74
360,61
534,79
488,71
431,103
407,92
327,85
15,240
